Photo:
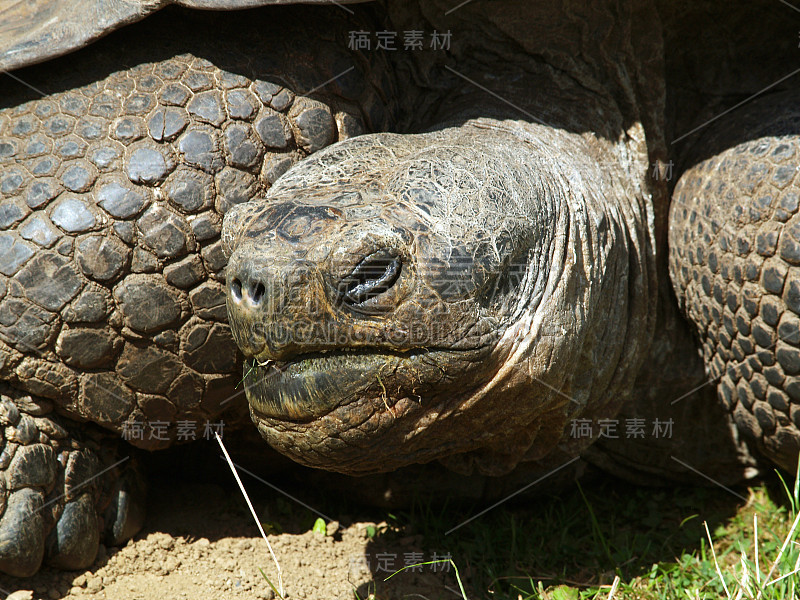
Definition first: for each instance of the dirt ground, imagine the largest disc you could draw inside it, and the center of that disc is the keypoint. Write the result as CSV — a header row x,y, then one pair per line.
x,y
200,541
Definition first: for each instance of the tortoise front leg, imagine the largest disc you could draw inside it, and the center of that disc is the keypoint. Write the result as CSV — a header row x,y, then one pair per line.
x,y
735,264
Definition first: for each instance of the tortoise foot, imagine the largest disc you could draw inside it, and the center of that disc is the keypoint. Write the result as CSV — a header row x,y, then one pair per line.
x,y
61,493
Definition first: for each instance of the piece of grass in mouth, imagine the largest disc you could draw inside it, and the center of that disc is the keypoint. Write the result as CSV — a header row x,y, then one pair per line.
x,y
251,363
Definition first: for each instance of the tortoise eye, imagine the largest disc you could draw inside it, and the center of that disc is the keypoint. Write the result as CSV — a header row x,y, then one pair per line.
x,y
373,276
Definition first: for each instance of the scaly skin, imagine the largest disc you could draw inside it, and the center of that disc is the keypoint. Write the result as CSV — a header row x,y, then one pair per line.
x,y
114,186
734,256
112,273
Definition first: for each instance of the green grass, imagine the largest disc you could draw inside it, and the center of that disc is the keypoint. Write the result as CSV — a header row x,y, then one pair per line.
x,y
575,545
595,541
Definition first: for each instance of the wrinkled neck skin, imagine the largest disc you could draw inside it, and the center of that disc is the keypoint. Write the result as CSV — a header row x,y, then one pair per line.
x,y
505,294
463,293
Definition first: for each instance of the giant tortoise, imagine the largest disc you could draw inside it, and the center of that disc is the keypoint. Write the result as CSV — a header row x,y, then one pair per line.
x,y
491,238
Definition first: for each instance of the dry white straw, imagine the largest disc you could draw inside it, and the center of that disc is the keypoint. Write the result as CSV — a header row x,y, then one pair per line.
x,y
716,564
253,512
614,587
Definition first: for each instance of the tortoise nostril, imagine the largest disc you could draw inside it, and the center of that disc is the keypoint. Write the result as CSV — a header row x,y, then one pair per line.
x,y
256,292
253,290
236,289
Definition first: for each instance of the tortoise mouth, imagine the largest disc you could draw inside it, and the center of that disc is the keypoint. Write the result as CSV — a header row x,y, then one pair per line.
x,y
311,385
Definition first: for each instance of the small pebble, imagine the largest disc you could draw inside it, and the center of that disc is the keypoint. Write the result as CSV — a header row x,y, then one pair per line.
x,y
332,528
95,584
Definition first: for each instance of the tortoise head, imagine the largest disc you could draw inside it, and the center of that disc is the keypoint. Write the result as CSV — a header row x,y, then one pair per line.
x,y
379,291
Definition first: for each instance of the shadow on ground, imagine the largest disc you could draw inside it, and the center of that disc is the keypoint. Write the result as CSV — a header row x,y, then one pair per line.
x,y
199,525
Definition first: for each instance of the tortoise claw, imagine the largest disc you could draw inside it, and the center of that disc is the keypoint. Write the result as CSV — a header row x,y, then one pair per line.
x,y
72,544
22,532
125,513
